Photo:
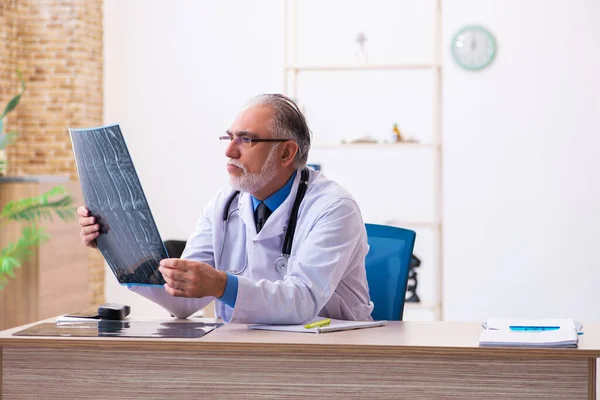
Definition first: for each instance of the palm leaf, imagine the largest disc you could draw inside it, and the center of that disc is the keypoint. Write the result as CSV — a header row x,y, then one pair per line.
x,y
11,105
8,265
7,138
13,255
41,207
20,76
15,100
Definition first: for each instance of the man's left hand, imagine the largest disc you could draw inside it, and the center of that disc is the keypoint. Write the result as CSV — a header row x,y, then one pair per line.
x,y
186,278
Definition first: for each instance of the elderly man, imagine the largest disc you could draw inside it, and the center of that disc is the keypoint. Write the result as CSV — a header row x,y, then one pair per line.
x,y
282,244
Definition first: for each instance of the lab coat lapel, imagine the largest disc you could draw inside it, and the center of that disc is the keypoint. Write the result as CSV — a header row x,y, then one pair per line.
x,y
247,214
274,226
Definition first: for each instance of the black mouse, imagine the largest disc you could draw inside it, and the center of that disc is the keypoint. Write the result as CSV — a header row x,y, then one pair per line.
x,y
113,311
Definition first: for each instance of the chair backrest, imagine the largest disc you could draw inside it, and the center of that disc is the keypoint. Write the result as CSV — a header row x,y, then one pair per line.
x,y
387,265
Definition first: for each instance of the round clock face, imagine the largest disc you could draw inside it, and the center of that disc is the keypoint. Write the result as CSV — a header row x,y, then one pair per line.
x,y
473,47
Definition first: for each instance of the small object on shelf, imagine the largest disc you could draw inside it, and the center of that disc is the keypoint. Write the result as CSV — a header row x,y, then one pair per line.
x,y
410,140
411,287
361,52
360,140
399,137
398,134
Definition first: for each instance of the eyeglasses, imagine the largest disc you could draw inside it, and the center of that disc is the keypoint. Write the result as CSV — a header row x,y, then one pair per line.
x,y
245,141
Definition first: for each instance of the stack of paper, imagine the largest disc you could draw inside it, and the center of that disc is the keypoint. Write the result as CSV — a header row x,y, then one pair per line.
x,y
334,326
529,333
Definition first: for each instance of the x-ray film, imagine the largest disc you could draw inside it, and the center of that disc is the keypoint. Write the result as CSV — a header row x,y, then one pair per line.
x,y
129,239
108,328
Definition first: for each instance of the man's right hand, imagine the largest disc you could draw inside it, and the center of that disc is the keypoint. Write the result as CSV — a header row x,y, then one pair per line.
x,y
90,230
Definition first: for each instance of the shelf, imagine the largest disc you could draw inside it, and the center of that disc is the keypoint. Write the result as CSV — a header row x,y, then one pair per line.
x,y
405,145
381,67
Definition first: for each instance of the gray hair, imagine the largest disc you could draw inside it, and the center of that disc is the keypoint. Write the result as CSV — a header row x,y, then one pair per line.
x,y
288,122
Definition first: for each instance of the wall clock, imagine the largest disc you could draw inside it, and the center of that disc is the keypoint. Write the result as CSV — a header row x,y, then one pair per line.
x,y
473,47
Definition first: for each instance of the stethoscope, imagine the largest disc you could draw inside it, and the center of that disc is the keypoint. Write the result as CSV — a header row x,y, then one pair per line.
x,y
281,263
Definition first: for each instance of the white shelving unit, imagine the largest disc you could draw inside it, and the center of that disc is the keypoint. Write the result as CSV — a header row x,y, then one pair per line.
x,y
398,145
382,67
292,71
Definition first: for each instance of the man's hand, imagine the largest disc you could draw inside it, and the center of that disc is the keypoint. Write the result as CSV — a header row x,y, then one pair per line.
x,y
187,278
90,230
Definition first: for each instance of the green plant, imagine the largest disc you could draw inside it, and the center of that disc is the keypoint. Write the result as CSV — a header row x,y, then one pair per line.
x,y
29,211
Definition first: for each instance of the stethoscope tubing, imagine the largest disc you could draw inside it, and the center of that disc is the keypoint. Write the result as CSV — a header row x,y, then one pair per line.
x,y
280,264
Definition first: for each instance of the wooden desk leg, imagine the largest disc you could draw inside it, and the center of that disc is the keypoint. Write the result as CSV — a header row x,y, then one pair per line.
x,y
592,378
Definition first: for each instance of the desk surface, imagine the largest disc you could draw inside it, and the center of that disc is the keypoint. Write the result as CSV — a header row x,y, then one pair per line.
x,y
409,337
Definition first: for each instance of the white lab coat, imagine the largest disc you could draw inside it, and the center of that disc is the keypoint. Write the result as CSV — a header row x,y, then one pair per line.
x,y
326,271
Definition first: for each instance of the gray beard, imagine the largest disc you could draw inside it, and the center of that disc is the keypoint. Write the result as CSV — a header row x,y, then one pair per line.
x,y
251,183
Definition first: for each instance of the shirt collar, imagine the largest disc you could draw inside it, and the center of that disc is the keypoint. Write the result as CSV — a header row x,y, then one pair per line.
x,y
277,198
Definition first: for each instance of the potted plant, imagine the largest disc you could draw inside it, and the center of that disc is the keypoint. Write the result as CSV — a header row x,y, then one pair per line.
x,y
28,212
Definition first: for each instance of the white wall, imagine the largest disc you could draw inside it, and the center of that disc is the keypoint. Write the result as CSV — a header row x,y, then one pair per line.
x,y
176,73
521,198
519,188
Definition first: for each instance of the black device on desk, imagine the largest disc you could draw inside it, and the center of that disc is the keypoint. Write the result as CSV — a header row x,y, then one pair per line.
x,y
109,311
113,311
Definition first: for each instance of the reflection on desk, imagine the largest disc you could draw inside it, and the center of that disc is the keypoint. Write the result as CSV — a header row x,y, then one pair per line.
x,y
107,328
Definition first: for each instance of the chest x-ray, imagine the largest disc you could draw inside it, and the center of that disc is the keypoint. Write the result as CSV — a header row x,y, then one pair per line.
x,y
129,239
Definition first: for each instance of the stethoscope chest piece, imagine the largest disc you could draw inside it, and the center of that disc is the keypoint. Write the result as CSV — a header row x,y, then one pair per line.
x,y
281,264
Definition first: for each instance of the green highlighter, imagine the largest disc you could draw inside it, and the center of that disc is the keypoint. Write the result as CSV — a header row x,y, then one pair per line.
x,y
317,324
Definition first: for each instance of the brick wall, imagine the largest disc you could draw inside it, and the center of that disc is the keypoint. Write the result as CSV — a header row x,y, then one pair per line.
x,y
7,49
57,45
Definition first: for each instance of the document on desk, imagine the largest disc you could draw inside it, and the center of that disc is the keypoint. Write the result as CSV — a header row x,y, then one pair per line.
x,y
507,338
503,332
335,325
531,323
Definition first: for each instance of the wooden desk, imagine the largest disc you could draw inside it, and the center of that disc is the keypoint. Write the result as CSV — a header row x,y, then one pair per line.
x,y
415,360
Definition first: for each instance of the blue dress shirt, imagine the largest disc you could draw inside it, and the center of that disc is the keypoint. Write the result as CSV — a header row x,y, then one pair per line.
x,y
273,202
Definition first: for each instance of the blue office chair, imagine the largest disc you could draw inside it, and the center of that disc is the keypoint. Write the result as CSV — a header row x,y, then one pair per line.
x,y
387,265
